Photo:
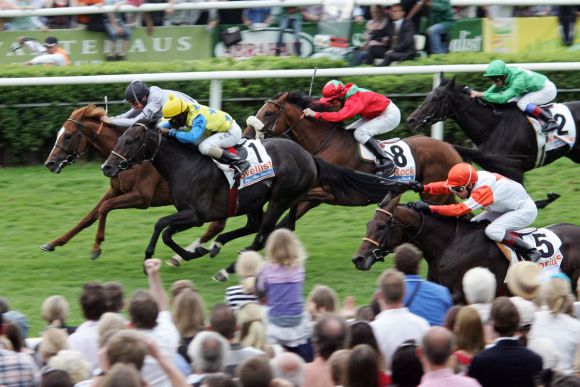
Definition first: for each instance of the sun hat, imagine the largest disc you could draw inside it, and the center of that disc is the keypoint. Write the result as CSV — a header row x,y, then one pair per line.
x,y
523,279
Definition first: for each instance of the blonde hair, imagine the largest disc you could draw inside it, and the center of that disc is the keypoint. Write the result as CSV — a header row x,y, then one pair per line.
x,y
188,313
324,297
122,375
248,265
284,248
179,286
72,362
556,294
53,340
55,310
252,328
468,330
109,323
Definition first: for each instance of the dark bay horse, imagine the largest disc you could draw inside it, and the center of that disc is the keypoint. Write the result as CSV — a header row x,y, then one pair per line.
x,y
200,190
497,129
451,246
141,187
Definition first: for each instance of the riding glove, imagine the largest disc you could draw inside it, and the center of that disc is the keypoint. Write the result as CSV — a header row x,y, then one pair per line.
x,y
417,186
422,206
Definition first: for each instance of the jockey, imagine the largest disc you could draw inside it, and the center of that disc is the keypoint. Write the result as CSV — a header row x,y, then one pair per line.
x,y
528,88
379,115
146,103
508,206
188,122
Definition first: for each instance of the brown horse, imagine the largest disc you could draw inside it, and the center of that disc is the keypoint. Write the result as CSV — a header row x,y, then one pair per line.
x,y
451,245
141,187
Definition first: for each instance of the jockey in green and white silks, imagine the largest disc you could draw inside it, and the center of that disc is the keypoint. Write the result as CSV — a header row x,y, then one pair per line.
x,y
212,130
528,88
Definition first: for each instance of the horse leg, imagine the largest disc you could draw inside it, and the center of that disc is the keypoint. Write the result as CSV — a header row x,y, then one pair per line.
x,y
213,229
273,213
302,208
182,254
85,222
181,217
132,199
252,226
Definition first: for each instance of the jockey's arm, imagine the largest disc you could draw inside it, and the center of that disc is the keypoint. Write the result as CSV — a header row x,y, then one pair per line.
x,y
437,188
480,197
191,136
515,89
351,108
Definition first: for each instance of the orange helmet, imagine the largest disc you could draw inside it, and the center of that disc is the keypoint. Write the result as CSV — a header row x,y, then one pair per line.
x,y
332,90
460,175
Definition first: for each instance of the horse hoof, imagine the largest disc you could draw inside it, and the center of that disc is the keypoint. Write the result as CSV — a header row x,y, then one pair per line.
x,y
47,247
174,261
199,252
96,254
221,276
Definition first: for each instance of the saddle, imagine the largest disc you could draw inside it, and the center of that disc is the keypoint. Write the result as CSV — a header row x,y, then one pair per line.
x,y
239,149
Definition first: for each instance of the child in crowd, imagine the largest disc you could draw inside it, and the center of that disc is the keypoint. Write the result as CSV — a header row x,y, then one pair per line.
x,y
282,282
248,265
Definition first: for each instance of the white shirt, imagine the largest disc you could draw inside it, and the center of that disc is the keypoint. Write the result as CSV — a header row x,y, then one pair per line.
x,y
86,341
496,193
394,326
564,331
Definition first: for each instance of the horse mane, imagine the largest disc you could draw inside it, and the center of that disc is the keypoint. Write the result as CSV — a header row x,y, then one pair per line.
x,y
299,98
93,112
450,220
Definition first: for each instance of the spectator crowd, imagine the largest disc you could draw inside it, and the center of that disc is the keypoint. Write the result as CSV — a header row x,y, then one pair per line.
x,y
267,333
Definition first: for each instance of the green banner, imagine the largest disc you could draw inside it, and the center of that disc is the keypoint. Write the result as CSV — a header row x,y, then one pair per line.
x,y
165,44
466,35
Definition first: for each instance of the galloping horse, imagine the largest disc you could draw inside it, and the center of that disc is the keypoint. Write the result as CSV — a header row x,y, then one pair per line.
x,y
451,245
499,129
200,190
141,187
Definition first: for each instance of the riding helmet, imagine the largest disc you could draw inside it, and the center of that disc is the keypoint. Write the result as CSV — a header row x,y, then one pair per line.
x,y
173,107
136,91
332,90
496,68
460,175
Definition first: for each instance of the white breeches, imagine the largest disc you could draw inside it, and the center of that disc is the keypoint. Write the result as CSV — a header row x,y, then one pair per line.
x,y
385,122
221,139
543,96
509,221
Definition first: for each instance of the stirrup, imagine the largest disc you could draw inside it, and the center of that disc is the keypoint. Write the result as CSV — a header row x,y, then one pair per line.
x,y
385,168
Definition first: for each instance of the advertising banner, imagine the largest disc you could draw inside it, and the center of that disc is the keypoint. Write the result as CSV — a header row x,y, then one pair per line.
x,y
165,44
466,36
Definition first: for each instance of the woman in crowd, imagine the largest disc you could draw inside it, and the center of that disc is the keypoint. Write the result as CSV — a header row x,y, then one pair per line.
x,y
470,337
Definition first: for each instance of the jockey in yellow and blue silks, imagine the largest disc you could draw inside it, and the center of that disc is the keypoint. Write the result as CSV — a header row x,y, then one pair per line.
x,y
212,130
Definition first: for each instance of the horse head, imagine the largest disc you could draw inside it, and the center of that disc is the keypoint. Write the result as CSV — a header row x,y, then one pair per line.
x,y
444,101
76,134
382,235
278,116
138,144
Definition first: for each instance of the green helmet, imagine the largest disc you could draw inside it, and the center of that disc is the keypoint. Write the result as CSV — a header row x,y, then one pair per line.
x,y
496,68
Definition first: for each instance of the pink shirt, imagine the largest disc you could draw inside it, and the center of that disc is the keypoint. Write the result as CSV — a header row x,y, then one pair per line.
x,y
446,378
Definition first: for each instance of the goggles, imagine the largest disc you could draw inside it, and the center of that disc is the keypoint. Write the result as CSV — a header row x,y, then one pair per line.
x,y
458,189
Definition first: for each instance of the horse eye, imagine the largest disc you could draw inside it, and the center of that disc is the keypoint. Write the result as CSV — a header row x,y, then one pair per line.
x,y
381,226
268,114
128,141
67,136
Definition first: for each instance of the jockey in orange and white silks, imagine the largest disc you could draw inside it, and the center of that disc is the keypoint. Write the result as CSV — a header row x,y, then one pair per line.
x,y
378,115
508,206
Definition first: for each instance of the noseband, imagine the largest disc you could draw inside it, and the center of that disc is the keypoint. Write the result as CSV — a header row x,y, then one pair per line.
x,y
382,248
75,154
270,129
128,162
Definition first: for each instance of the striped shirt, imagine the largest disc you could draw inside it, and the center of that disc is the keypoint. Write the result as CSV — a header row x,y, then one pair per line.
x,y
16,370
235,297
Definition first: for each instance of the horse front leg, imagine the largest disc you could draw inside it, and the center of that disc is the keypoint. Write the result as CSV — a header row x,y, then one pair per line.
x,y
85,222
178,218
289,221
131,199
197,245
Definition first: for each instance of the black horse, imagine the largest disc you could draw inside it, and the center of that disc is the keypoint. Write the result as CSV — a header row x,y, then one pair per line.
x,y
200,190
451,245
499,129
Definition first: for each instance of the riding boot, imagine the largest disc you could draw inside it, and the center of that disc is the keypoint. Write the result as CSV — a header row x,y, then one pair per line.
x,y
385,164
522,247
549,123
234,161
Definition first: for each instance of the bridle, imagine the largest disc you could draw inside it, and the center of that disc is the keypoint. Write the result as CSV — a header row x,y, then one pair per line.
x,y
290,133
381,247
75,154
430,119
128,162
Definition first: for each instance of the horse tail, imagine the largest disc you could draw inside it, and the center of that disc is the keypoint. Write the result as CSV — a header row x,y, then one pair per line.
x,y
506,165
358,188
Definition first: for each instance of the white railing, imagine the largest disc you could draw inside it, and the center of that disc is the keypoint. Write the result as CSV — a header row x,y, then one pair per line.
x,y
9,13
217,77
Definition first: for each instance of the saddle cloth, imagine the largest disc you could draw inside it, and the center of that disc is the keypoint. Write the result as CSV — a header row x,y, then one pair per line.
x,y
400,152
547,243
261,166
565,135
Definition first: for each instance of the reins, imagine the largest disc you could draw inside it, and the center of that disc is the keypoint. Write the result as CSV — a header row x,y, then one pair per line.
x,y
128,162
430,120
80,133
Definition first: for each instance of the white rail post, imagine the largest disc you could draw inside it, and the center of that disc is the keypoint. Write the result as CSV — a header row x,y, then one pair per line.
x,y
437,128
215,93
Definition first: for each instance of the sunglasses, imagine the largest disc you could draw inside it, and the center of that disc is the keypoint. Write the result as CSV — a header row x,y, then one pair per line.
x,y
457,189
496,79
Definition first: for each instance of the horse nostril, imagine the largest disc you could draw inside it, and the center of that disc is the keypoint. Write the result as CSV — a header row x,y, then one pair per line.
x,y
49,164
411,121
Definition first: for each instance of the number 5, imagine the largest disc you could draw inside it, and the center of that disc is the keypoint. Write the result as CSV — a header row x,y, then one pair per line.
x,y
541,240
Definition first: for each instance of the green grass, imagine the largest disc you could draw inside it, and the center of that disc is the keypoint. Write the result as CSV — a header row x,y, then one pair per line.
x,y
37,206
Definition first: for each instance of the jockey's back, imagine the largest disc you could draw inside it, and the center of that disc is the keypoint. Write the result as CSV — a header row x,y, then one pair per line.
x,y
496,193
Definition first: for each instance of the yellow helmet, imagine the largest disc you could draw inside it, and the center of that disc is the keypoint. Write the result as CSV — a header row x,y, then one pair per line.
x,y
174,106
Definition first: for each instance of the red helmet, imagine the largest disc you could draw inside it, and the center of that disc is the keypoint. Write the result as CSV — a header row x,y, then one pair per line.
x,y
460,175
332,90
